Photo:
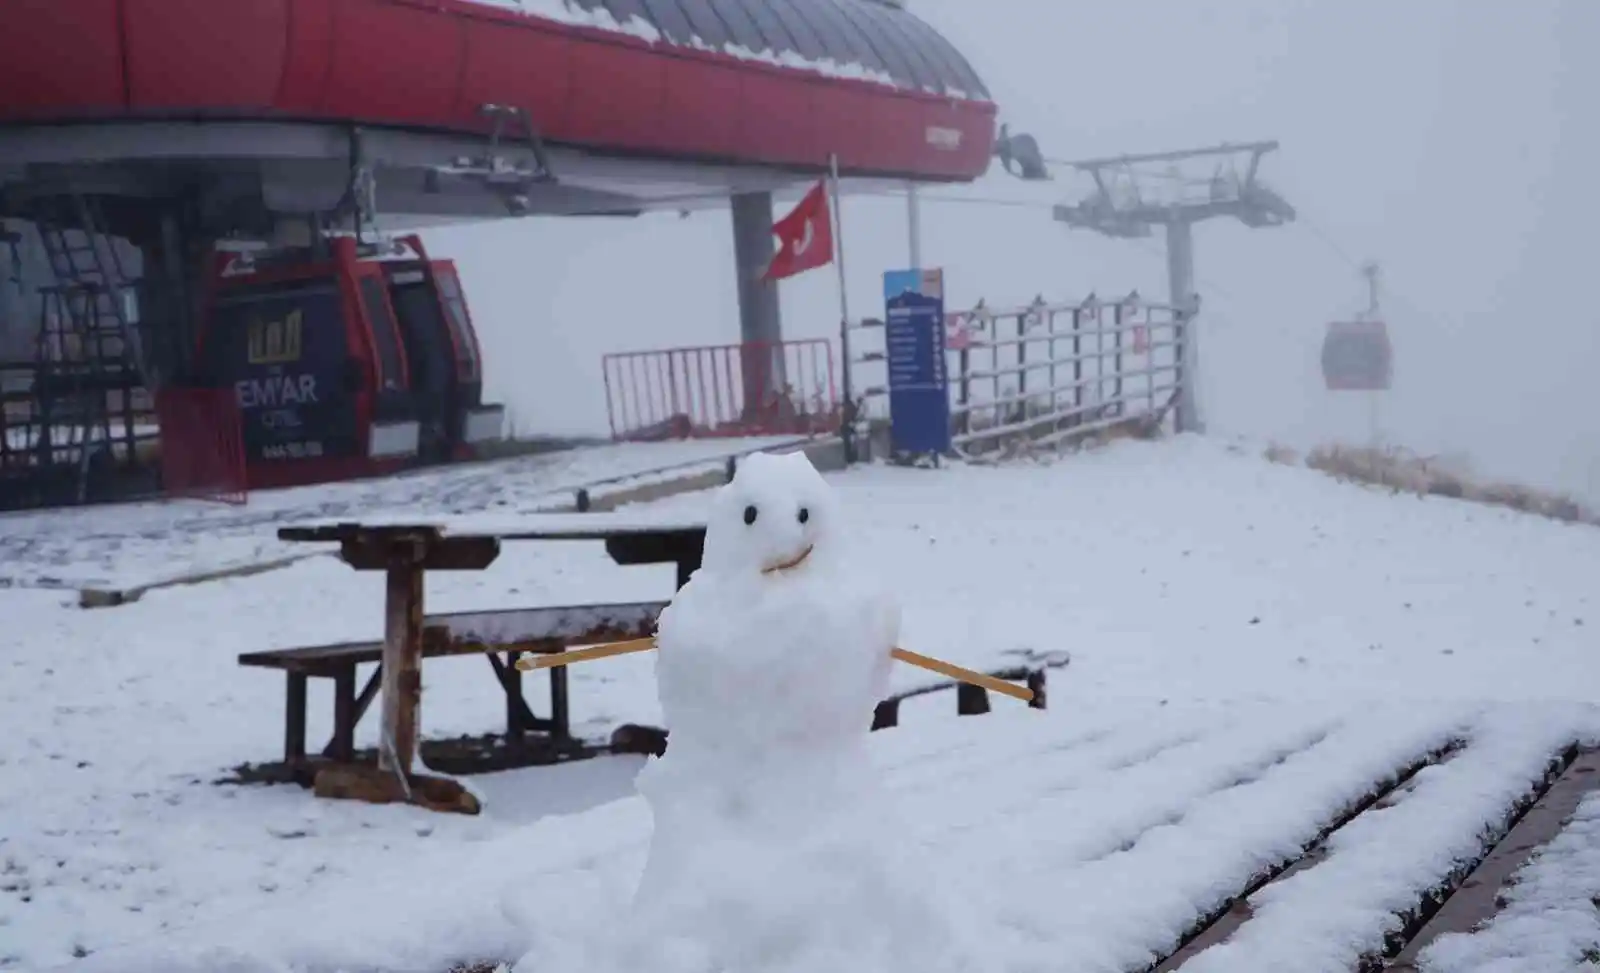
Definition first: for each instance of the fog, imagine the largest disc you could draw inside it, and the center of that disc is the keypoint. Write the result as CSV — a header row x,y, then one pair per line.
x,y
1454,141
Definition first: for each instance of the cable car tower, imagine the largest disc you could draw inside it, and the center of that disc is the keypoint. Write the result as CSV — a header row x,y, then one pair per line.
x,y
1128,203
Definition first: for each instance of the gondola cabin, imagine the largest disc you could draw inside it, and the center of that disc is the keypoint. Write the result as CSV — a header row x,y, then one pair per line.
x,y
359,361
1357,356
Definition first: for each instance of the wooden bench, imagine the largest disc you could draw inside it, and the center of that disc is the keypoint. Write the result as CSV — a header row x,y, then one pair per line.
x,y
515,633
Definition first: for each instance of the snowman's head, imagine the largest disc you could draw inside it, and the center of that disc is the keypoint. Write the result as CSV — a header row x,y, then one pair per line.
x,y
772,518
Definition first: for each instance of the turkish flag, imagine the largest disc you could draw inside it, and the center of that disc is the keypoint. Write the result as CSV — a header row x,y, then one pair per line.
x,y
805,237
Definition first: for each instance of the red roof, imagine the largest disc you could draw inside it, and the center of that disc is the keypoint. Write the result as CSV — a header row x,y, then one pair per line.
x,y
661,85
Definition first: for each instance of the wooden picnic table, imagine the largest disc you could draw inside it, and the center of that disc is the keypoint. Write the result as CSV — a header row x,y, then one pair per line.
x,y
406,550
513,632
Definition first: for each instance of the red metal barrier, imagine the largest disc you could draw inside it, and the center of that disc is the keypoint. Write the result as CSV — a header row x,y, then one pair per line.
x,y
202,444
751,389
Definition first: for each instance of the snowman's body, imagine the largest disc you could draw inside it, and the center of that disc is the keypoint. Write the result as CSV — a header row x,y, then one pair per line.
x,y
748,670
774,848
778,643
769,664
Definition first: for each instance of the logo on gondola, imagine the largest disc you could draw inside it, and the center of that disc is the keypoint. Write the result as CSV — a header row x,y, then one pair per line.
x,y
276,342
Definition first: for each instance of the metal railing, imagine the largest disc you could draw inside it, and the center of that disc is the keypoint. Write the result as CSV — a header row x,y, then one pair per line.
x,y
1045,372
750,389
202,444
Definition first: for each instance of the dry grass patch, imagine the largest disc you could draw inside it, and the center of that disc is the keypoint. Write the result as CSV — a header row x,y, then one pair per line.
x,y
1282,455
1403,471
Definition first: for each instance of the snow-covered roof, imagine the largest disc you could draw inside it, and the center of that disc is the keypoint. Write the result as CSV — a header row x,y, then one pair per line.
x,y
863,39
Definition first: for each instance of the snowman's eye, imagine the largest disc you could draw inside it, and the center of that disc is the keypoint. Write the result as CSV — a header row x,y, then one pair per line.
x,y
750,515
804,515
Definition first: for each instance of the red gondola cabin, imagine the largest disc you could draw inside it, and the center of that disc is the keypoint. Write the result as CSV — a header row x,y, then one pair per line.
x,y
361,362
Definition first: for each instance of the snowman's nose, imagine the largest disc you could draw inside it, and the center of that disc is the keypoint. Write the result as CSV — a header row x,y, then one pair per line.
x,y
785,564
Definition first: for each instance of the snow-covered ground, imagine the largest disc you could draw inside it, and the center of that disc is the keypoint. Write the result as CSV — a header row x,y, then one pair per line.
x,y
133,544
1553,919
1253,647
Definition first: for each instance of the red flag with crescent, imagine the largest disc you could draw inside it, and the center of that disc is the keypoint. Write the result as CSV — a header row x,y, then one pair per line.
x,y
805,237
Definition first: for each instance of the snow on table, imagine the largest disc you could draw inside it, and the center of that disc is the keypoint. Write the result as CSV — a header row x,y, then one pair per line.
x,y
554,526
1552,922
1252,646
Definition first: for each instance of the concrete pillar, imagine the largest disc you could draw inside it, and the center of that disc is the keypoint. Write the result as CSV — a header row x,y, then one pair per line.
x,y
760,321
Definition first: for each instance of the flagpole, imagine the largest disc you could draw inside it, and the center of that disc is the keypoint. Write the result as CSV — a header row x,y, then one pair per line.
x,y
847,429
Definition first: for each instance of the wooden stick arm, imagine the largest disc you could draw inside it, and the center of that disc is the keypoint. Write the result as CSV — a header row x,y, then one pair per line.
x,y
533,663
959,673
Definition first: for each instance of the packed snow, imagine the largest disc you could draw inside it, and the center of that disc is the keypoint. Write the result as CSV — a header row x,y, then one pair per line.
x,y
1553,920
1324,919
579,15
1253,646
598,17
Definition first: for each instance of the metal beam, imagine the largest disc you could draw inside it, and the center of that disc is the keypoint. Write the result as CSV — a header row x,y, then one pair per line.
x,y
1226,148
212,141
1247,200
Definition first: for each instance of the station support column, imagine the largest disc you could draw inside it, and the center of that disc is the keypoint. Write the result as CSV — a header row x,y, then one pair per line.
x,y
760,319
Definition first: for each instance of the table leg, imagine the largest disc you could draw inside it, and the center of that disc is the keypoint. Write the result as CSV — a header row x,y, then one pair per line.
x,y
344,714
369,692
294,720
1036,682
519,718
402,657
513,688
971,700
886,715
560,715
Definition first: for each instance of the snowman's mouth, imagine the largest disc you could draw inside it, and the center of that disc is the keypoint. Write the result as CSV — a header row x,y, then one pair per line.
x,y
778,567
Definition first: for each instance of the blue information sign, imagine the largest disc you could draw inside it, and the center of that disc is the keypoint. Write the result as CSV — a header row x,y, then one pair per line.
x,y
919,389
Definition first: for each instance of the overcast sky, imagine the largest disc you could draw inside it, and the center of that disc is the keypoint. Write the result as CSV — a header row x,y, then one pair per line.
x,y
1455,141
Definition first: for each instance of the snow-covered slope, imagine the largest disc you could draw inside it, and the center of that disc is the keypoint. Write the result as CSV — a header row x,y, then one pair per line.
x,y
1254,646
1553,919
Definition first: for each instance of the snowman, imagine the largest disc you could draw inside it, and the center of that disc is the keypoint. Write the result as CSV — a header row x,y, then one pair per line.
x,y
773,845
779,644
775,848
769,661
